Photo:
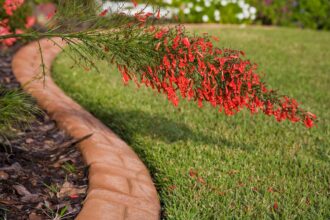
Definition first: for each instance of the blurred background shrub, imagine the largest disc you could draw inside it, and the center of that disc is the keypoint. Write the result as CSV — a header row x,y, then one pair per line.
x,y
312,14
211,11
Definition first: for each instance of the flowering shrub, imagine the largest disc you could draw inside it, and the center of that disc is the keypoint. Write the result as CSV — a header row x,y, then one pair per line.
x,y
302,13
14,19
194,68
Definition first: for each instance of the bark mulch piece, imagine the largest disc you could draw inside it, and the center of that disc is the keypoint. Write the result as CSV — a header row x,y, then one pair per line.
x,y
42,175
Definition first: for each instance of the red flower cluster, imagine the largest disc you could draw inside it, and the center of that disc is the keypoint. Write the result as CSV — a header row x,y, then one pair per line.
x,y
10,6
197,70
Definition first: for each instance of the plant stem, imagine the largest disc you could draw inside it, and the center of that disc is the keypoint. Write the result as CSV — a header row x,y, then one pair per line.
x,y
37,35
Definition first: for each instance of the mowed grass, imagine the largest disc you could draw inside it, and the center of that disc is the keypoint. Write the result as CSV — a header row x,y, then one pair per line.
x,y
210,166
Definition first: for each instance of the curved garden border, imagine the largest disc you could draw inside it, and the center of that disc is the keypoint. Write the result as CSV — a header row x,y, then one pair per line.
x,y
120,186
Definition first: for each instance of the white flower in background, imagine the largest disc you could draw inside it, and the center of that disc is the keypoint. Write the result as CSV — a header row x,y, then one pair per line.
x,y
207,3
245,6
253,17
126,7
167,12
241,3
205,18
240,16
186,11
217,15
175,11
116,6
234,1
167,2
253,10
198,0
190,5
224,2
246,13
198,8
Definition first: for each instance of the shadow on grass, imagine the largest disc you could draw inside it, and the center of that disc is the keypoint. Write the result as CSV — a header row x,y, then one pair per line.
x,y
127,124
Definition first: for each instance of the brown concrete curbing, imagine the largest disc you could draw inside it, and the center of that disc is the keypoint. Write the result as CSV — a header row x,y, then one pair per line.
x,y
120,186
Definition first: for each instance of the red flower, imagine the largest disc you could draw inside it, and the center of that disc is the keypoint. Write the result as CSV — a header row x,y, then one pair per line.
x,y
157,46
171,95
134,3
220,77
12,5
8,41
160,33
308,122
103,13
74,196
215,38
311,115
124,73
186,42
19,31
166,62
200,103
193,173
158,14
50,15
30,21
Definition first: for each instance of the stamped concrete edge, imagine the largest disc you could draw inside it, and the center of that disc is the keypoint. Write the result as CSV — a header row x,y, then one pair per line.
x,y
120,186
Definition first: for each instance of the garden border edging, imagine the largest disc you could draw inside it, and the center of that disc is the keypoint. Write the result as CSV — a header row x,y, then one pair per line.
x,y
120,186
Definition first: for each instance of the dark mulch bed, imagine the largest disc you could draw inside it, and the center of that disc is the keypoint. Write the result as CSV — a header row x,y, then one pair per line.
x,y
42,175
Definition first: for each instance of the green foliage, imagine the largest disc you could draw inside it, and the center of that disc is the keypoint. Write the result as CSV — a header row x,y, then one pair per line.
x,y
76,9
300,13
16,109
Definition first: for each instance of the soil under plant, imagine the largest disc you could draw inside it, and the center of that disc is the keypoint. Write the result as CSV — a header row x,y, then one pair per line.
x,y
42,174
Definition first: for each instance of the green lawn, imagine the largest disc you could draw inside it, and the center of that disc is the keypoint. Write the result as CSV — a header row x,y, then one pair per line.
x,y
245,165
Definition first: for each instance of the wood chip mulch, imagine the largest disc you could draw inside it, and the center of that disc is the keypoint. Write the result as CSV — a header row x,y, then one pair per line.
x,y
42,175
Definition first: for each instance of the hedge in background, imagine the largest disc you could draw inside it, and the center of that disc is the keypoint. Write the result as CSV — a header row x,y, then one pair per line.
x,y
296,13
300,13
209,11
